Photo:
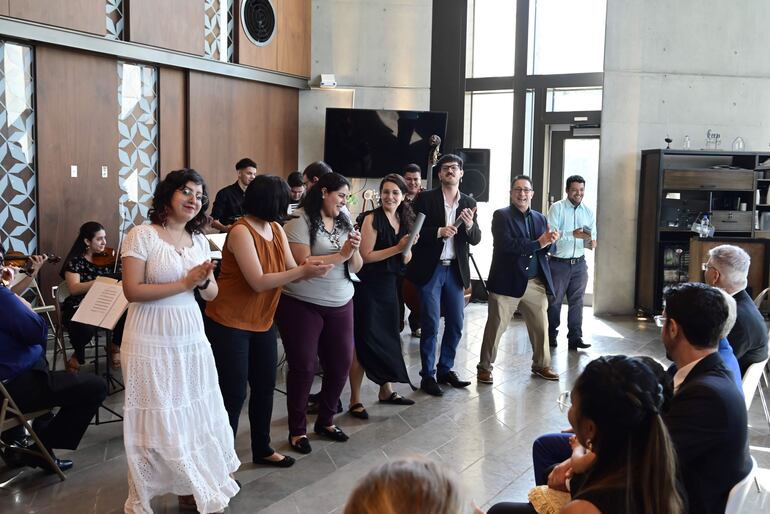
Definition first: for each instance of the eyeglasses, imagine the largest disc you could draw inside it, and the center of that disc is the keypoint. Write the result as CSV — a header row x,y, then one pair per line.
x,y
660,320
564,401
519,190
450,167
706,266
189,193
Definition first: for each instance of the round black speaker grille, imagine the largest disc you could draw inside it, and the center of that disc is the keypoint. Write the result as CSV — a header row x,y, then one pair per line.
x,y
258,20
474,184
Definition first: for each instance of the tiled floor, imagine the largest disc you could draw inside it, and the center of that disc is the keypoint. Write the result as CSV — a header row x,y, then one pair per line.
x,y
484,433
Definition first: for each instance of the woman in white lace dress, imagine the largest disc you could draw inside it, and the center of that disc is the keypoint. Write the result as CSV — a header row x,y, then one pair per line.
x,y
175,428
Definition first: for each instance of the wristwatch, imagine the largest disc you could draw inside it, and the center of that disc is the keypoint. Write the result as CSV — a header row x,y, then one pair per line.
x,y
204,286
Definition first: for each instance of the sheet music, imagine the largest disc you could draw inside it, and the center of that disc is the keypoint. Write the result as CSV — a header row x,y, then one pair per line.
x,y
415,230
103,305
216,241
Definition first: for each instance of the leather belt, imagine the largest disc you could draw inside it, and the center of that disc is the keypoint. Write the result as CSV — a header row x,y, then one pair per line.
x,y
574,260
446,262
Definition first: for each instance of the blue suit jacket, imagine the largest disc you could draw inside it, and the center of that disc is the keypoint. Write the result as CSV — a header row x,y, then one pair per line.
x,y
513,250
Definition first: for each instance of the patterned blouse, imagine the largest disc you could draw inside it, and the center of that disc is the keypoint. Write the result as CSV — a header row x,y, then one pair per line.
x,y
88,272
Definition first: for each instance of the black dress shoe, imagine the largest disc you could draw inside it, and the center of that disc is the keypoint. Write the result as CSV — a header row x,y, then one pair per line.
x,y
429,385
574,345
302,445
335,434
16,457
452,379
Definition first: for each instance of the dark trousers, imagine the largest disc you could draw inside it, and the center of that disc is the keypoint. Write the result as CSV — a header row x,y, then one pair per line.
x,y
81,334
78,397
414,320
309,333
570,280
548,450
443,289
245,357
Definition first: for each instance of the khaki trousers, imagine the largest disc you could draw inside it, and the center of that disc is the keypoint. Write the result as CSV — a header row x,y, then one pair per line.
x,y
533,305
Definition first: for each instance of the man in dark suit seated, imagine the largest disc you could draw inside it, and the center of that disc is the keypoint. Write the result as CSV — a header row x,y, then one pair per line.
x,y
520,277
707,415
728,269
439,268
24,373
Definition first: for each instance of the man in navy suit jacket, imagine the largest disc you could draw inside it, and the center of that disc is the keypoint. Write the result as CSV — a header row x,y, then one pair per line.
x,y
520,277
707,415
728,269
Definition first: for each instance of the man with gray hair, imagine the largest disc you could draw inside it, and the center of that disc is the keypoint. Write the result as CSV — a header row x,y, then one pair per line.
x,y
728,269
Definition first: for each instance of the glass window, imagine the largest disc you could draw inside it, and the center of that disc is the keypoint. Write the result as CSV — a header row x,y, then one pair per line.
x,y
566,36
578,99
491,123
491,38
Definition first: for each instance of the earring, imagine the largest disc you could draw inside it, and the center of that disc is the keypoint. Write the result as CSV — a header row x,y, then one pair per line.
x,y
589,445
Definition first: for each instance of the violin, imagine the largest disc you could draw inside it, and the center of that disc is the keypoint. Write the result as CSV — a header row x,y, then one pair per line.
x,y
108,257
24,262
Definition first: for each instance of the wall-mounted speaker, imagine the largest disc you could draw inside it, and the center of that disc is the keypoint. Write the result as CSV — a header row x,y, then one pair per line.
x,y
259,21
475,181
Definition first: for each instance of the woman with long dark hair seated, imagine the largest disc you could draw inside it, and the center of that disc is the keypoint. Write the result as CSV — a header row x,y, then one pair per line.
x,y
256,263
315,316
79,272
616,416
384,235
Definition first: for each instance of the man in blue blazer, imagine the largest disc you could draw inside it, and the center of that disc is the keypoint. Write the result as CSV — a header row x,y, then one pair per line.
x,y
520,277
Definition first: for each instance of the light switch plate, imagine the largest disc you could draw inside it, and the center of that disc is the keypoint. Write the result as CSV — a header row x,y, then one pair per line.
x,y
74,171
104,172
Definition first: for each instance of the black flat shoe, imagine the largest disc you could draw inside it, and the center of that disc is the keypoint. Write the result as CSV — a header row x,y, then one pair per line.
x,y
397,399
302,445
334,433
578,345
286,462
357,410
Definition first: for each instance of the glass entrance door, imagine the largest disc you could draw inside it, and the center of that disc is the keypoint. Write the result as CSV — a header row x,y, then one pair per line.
x,y
575,155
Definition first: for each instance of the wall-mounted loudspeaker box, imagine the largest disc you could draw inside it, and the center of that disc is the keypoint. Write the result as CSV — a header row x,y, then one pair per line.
x,y
328,81
259,21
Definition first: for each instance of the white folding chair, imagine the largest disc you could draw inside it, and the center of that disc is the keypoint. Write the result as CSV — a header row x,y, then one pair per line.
x,y
751,384
740,492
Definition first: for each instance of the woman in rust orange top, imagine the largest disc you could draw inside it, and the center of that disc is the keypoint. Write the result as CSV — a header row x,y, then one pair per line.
x,y
256,263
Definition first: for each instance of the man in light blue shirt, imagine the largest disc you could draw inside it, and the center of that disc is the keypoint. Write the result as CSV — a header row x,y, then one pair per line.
x,y
577,225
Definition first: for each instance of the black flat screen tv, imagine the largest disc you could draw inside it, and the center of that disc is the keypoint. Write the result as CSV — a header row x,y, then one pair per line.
x,y
368,143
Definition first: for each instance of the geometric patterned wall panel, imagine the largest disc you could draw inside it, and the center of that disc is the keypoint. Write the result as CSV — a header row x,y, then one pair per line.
x,y
138,147
212,29
230,30
18,179
114,11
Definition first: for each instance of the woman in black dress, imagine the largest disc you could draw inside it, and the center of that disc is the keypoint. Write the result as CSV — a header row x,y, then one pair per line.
x,y
80,271
384,234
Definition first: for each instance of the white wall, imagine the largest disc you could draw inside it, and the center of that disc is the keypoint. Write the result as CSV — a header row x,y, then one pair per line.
x,y
379,52
671,68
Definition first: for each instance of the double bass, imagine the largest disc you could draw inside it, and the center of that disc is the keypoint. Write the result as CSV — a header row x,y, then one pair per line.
x,y
409,291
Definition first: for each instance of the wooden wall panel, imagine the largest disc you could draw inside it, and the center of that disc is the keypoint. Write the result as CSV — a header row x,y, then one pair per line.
x,y
83,15
173,119
77,124
172,24
289,52
230,119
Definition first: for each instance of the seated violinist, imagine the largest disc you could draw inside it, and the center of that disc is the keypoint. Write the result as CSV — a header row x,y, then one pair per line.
x,y
84,263
24,373
26,270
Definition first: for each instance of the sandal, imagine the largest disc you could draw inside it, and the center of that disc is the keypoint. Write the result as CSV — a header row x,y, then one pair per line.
x,y
397,399
72,365
115,357
357,410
